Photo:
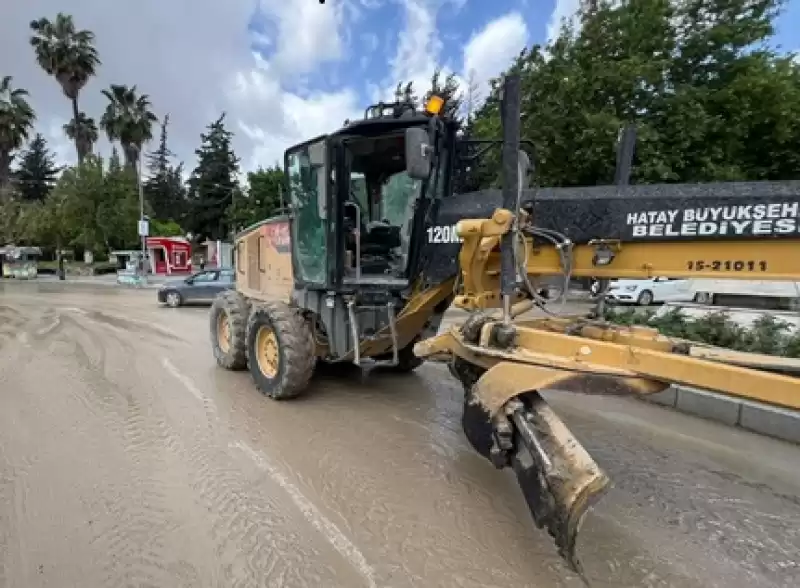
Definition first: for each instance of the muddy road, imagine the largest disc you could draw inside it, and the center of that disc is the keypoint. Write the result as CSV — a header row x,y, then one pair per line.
x,y
128,459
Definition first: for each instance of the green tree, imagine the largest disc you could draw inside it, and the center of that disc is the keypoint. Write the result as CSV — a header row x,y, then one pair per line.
x,y
261,200
709,101
37,172
67,54
128,120
449,90
16,121
83,131
117,211
96,209
446,88
49,226
164,190
213,183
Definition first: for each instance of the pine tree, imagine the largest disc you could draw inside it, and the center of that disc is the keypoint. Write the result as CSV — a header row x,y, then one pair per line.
x,y
447,89
37,171
213,183
163,190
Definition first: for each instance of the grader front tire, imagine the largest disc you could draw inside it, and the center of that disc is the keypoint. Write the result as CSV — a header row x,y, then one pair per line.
x,y
280,350
229,329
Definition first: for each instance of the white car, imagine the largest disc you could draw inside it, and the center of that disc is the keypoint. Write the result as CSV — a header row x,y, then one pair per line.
x,y
651,291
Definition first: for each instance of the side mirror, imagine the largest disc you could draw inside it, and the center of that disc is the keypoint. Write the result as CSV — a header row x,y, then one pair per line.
x,y
418,153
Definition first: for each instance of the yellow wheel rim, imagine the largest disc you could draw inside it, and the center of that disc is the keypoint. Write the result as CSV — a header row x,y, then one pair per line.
x,y
267,351
223,333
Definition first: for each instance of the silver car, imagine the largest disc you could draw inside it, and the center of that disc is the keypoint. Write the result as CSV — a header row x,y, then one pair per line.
x,y
200,288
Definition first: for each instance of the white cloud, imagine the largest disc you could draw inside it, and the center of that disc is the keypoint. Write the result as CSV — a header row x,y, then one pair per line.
x,y
307,34
491,50
418,47
563,10
194,59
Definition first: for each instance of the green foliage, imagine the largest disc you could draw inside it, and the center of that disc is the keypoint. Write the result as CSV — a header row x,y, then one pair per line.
x,y
261,200
709,101
128,120
213,183
446,87
64,52
450,91
91,207
767,334
15,220
69,56
36,174
168,228
83,131
16,121
163,189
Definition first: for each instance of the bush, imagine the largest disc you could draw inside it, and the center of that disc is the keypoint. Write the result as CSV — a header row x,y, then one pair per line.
x,y
767,335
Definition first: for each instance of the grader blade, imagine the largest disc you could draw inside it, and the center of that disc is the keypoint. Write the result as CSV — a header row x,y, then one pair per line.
x,y
513,426
557,476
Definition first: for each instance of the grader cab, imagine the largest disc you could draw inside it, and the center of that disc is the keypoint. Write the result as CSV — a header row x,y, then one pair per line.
x,y
377,246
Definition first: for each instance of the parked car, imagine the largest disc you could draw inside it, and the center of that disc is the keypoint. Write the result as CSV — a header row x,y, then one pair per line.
x,y
199,288
650,291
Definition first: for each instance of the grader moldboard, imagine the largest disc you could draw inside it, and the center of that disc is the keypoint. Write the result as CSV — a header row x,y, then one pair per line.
x,y
362,269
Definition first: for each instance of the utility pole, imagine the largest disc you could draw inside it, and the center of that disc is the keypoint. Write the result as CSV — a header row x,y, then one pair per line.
x,y
143,228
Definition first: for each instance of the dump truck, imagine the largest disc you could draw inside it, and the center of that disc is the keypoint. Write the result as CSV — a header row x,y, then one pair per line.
x,y
377,244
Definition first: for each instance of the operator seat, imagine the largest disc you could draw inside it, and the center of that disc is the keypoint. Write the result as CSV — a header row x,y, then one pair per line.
x,y
380,238
377,244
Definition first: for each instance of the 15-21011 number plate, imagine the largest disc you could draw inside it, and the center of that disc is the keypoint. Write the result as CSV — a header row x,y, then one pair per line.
x,y
727,265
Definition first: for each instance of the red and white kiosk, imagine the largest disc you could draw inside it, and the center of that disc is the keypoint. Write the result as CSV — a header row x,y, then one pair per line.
x,y
169,255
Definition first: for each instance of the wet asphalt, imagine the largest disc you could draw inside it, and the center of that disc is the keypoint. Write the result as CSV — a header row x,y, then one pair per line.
x,y
127,458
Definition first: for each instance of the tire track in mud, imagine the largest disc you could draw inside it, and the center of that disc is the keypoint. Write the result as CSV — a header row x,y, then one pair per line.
x,y
134,534
261,530
11,323
134,518
396,489
253,541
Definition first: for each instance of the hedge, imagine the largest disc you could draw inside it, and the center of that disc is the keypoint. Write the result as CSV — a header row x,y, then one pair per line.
x,y
767,335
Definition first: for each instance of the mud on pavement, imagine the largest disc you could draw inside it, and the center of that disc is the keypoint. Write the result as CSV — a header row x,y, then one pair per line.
x,y
128,459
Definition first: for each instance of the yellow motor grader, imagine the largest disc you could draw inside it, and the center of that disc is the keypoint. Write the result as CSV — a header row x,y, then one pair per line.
x,y
377,244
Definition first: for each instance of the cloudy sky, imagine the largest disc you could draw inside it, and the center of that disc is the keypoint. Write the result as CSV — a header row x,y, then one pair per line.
x,y
283,70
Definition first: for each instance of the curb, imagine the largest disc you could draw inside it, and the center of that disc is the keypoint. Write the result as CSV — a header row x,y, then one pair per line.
x,y
757,417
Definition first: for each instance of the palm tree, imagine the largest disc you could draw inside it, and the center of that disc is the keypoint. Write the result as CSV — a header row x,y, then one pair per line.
x,y
83,131
16,121
68,55
128,120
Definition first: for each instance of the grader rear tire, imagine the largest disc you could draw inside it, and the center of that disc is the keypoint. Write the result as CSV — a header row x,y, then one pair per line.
x,y
228,319
280,350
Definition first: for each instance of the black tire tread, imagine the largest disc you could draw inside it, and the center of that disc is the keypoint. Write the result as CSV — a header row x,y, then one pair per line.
x,y
408,362
235,305
297,350
180,298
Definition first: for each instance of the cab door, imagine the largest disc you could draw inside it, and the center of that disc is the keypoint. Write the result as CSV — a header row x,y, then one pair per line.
x,y
307,171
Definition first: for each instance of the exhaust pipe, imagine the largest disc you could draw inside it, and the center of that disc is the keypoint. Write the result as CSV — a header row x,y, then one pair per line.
x,y
557,476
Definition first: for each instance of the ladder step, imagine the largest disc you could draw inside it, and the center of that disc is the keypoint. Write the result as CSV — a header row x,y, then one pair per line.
x,y
355,330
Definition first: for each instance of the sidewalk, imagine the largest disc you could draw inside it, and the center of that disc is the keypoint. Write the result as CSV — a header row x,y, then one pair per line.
x,y
104,280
